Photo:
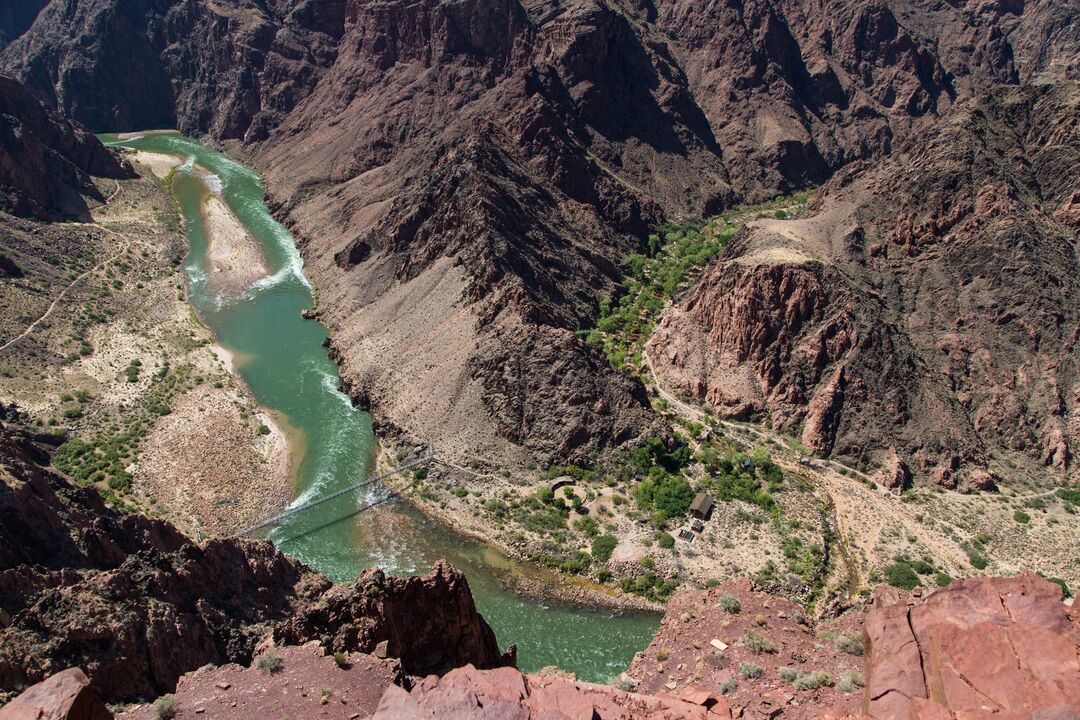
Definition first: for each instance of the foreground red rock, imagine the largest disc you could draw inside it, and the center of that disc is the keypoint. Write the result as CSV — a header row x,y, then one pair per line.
x,y
429,622
700,644
984,648
65,696
507,694
309,684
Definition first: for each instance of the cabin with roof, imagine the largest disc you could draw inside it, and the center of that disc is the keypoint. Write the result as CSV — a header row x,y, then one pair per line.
x,y
702,506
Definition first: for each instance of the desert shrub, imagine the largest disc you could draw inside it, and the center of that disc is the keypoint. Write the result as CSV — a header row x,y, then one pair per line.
x,y
1021,517
166,707
750,670
730,604
729,686
812,680
977,561
269,662
902,576
850,643
757,643
921,567
665,541
341,660
1069,495
420,473
587,526
787,674
603,546
850,681
942,579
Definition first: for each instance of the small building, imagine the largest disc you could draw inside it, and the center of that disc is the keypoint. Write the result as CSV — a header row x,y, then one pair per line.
x,y
697,526
562,481
702,506
686,535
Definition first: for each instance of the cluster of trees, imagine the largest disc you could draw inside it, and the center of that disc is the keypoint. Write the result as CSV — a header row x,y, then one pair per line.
x,y
663,492
651,280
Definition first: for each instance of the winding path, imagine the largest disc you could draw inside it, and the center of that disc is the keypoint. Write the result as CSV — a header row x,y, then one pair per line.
x,y
52,306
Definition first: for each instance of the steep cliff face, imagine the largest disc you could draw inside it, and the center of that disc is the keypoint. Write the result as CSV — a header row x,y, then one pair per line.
x,y
474,179
46,161
16,17
230,69
136,604
923,305
505,163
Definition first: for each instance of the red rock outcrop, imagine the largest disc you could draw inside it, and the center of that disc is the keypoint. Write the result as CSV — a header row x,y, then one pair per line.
x,y
46,160
67,695
983,648
135,604
701,646
923,305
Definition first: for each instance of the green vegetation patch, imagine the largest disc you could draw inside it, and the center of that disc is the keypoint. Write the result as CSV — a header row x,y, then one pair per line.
x,y
102,461
671,261
603,547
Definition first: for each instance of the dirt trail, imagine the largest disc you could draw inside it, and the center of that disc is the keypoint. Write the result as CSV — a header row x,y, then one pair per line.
x,y
52,306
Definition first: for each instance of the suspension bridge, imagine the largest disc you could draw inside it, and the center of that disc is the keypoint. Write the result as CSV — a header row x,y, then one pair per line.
x,y
370,480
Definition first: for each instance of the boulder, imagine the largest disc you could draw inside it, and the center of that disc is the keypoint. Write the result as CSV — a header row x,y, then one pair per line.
x,y
67,695
984,647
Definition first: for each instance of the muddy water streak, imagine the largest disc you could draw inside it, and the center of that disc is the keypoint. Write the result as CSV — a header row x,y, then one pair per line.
x,y
281,357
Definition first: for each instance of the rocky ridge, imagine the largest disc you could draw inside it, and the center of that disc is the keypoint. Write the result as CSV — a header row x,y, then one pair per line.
x,y
136,604
46,160
228,69
918,315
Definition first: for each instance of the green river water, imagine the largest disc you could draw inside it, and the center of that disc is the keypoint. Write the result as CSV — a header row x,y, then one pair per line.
x,y
280,356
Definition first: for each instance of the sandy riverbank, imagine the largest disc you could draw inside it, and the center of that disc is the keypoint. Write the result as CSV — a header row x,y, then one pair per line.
x,y
211,470
234,258
144,133
160,164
